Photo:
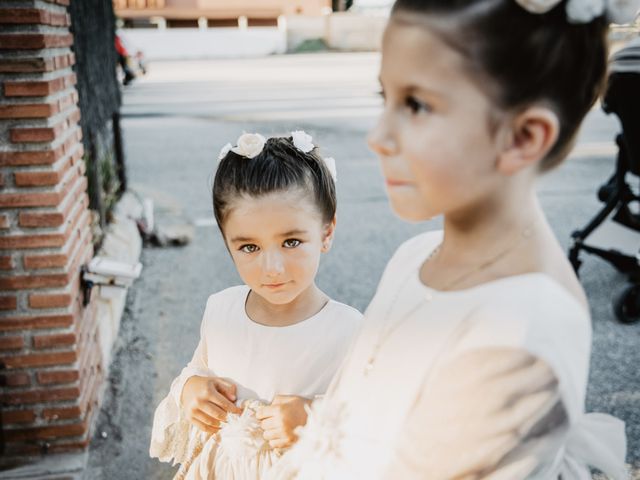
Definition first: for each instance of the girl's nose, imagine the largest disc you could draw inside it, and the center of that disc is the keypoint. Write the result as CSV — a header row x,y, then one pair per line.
x,y
380,138
272,263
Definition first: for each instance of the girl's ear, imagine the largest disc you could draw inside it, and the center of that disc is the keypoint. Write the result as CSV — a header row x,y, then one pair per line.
x,y
327,237
532,134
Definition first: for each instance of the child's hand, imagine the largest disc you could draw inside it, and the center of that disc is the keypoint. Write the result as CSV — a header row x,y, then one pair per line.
x,y
207,400
280,419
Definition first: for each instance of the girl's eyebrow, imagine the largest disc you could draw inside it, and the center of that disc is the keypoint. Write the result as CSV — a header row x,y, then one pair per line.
x,y
426,90
241,239
291,233
418,88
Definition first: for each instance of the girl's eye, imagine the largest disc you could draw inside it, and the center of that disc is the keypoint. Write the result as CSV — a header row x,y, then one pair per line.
x,y
291,243
249,248
416,106
381,93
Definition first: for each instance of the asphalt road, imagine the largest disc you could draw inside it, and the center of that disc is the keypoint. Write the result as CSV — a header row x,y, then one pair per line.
x,y
175,122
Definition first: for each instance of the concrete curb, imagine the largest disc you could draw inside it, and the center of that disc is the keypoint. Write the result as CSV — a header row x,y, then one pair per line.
x,y
54,467
123,243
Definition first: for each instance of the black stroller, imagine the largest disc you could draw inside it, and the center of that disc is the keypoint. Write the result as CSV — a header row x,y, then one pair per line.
x,y
614,233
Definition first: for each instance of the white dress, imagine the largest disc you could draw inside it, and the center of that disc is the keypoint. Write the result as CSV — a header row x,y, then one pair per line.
x,y
263,361
487,382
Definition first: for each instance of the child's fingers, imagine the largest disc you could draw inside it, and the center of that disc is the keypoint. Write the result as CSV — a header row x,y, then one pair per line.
x,y
227,388
205,419
205,427
266,412
213,411
270,423
272,434
223,402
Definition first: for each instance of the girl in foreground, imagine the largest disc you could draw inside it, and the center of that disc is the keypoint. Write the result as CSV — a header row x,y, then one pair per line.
x,y
267,347
474,355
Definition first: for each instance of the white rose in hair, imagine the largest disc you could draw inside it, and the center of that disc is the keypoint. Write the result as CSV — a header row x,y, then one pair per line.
x,y
249,145
331,165
622,11
224,150
538,6
583,11
302,141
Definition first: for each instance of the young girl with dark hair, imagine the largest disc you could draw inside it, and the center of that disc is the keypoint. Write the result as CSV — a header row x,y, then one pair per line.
x,y
270,346
473,358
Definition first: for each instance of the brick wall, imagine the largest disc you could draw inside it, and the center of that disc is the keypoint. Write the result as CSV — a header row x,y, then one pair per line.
x,y
49,359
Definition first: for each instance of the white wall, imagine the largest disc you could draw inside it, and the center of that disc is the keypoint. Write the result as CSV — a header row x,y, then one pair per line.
x,y
346,31
359,32
191,43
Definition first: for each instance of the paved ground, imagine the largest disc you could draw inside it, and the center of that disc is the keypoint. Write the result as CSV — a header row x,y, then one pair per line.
x,y
175,122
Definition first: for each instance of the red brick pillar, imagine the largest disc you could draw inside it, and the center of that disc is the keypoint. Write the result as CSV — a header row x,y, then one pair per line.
x,y
49,357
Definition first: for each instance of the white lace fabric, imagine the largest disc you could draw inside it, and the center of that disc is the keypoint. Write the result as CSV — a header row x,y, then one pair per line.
x,y
237,452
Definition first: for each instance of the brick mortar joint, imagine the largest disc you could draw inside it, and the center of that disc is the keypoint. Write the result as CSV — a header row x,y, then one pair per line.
x,y
34,147
45,53
46,99
48,168
72,216
9,29
49,122
39,4
59,187
70,249
37,76
51,8
83,245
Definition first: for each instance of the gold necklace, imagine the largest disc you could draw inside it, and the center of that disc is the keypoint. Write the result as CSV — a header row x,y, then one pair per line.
x,y
386,332
524,235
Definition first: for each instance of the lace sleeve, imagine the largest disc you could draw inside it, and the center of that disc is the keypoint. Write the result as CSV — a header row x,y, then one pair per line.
x,y
490,413
172,435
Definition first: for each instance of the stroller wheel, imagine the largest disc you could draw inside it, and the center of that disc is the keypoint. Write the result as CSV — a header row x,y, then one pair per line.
x,y
627,304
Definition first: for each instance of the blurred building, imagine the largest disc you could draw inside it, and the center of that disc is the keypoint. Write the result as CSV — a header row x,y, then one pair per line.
x,y
216,13
200,29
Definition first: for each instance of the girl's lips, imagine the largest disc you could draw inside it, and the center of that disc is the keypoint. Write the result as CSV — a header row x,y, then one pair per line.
x,y
274,285
396,183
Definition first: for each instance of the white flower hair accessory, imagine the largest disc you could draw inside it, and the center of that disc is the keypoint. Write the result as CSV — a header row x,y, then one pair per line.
x,y
584,11
249,145
302,141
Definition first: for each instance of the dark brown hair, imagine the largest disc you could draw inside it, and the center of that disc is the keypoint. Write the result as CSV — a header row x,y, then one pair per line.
x,y
521,58
279,167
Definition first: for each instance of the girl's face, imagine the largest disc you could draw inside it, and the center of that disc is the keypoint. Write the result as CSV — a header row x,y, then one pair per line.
x,y
275,241
433,137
